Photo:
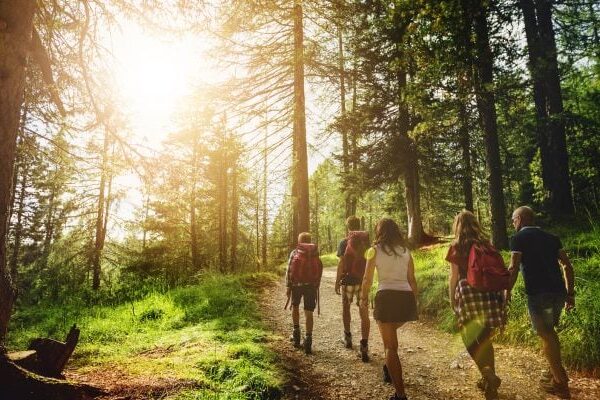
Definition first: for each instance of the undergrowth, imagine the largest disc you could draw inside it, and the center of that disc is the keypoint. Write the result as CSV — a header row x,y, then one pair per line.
x,y
208,335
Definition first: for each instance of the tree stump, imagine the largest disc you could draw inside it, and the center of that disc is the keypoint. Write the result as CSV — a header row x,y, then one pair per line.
x,y
52,355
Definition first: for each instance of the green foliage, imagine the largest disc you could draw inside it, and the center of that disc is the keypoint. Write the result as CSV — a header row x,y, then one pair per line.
x,y
209,334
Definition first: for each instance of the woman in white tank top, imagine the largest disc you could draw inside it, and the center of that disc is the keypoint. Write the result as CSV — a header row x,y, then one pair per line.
x,y
395,301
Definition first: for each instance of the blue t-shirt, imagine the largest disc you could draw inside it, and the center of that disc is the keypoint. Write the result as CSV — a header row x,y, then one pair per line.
x,y
539,260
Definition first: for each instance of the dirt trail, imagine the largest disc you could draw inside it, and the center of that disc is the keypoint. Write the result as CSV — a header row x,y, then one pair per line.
x,y
435,364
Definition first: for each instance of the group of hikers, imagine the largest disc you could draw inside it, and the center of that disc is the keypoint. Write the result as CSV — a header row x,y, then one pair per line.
x,y
479,290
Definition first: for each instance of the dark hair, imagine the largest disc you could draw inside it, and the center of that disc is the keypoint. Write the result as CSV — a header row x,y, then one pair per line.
x,y
388,236
467,232
353,223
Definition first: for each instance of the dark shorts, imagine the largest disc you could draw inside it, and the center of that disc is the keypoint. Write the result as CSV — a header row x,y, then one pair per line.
x,y
395,306
545,309
308,292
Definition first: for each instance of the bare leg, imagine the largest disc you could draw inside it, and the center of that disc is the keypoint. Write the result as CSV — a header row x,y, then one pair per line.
x,y
309,321
296,315
346,313
551,346
365,322
390,341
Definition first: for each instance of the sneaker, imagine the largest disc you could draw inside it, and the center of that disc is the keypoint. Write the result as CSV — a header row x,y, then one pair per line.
x,y
560,390
364,351
348,340
308,344
386,375
396,397
546,376
296,338
492,382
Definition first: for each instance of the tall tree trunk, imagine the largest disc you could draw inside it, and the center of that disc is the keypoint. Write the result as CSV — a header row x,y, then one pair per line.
x,y
234,217
487,112
354,147
561,199
223,207
16,24
301,160
343,125
411,170
465,141
316,213
195,251
257,224
265,228
18,231
100,232
49,225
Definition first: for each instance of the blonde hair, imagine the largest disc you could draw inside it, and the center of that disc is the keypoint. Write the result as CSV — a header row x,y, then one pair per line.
x,y
467,231
304,237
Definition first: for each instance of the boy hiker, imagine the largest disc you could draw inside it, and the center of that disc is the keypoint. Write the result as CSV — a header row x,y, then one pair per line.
x,y
548,291
350,271
303,278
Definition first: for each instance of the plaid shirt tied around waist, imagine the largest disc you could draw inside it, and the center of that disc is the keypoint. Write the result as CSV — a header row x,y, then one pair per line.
x,y
486,308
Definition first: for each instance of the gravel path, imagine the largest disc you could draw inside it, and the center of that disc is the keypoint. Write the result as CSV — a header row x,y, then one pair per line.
x,y
435,363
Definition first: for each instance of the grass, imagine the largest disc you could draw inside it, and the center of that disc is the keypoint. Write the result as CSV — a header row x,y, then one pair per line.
x,y
208,336
579,331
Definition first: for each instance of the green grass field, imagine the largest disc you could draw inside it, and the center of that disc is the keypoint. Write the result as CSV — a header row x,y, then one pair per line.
x,y
207,336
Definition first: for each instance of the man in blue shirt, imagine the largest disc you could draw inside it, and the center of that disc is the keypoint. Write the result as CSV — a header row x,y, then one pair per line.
x,y
549,288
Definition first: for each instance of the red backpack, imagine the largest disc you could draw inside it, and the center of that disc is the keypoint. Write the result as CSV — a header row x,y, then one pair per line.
x,y
306,266
486,270
354,256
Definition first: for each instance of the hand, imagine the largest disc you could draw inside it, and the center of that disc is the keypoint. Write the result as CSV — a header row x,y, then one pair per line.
x,y
337,288
570,303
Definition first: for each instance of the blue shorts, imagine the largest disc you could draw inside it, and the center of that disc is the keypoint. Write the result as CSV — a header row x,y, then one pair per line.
x,y
545,309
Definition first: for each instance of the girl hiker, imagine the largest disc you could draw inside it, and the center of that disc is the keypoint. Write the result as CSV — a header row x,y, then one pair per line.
x,y
395,301
303,278
479,312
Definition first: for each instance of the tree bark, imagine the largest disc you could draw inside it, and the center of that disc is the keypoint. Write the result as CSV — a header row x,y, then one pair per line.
x,y
465,142
551,137
487,112
234,217
301,159
100,223
343,125
16,26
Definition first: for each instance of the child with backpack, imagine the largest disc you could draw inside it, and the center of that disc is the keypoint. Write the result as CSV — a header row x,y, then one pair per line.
x,y
303,278
350,271
395,301
478,280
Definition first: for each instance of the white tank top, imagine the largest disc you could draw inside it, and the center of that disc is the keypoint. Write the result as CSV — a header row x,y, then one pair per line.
x,y
392,269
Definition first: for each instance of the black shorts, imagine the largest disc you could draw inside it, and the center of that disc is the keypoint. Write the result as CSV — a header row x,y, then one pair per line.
x,y
395,306
308,292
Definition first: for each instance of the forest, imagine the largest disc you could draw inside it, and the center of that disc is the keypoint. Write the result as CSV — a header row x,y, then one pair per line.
x,y
158,160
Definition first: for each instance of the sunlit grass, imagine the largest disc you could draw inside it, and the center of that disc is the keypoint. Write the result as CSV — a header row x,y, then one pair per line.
x,y
208,335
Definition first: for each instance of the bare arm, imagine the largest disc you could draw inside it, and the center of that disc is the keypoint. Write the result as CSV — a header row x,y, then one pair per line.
x,y
452,282
338,275
412,281
367,281
515,262
569,278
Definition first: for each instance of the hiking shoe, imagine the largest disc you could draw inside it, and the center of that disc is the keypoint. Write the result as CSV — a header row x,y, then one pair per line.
x,y
396,397
348,340
481,382
546,376
364,351
308,344
296,338
492,382
560,390
386,375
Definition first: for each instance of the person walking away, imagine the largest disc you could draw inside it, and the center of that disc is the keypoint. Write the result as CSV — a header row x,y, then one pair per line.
x,y
538,254
303,278
395,301
478,301
350,271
